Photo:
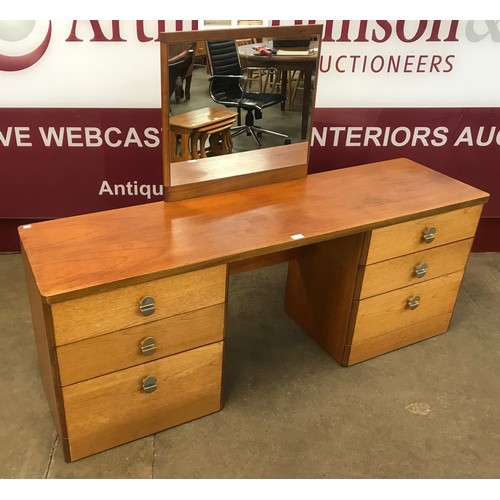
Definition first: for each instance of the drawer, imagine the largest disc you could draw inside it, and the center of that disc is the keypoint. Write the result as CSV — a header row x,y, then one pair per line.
x,y
118,350
403,271
106,312
407,237
375,346
389,312
113,409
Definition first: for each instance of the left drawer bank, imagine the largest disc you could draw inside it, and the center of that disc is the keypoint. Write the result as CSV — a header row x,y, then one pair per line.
x,y
121,364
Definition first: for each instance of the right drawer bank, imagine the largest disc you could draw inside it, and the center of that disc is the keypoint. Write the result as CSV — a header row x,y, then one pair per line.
x,y
367,294
408,282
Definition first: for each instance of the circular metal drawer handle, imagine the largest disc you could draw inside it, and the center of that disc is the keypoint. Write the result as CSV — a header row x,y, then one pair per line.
x,y
428,234
148,346
413,302
149,384
420,270
147,306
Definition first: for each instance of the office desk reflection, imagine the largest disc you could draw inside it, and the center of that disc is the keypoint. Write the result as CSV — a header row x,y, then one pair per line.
x,y
294,60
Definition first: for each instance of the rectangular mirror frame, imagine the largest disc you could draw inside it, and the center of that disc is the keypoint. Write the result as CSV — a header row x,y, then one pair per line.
x,y
282,164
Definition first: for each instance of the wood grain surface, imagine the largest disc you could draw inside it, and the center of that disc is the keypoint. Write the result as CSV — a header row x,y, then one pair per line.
x,y
221,174
399,239
106,312
399,272
118,350
320,290
401,337
389,312
83,254
113,409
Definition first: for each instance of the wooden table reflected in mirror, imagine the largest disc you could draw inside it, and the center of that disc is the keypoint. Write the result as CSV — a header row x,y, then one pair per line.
x,y
295,62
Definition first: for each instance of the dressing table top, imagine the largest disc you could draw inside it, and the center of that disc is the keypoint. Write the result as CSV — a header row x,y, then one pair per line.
x,y
78,255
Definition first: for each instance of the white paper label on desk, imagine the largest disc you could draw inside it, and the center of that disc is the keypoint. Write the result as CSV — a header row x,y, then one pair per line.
x,y
297,236
282,52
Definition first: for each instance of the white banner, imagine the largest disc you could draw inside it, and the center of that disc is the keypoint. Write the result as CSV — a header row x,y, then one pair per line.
x,y
409,64
99,64
116,64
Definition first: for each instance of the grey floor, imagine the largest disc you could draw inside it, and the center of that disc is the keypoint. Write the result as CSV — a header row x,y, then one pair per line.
x,y
430,410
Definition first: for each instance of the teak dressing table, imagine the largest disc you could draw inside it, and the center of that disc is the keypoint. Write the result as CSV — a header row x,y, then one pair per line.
x,y
129,305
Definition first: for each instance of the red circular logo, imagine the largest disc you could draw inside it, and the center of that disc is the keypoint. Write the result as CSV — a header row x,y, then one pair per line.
x,y
24,60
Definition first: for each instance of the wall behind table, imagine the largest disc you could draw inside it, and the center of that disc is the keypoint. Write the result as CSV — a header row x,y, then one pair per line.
x,y
80,119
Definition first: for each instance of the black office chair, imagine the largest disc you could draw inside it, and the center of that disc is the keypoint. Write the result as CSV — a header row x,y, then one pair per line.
x,y
227,87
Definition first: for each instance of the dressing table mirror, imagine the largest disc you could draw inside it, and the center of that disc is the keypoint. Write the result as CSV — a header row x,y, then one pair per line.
x,y
202,152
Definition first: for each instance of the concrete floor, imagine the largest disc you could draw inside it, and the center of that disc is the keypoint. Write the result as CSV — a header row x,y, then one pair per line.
x,y
430,410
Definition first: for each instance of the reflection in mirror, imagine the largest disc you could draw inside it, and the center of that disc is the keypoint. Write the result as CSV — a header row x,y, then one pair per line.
x,y
234,91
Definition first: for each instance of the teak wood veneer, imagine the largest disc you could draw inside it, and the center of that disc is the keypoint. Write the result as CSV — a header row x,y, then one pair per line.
x,y
223,176
376,256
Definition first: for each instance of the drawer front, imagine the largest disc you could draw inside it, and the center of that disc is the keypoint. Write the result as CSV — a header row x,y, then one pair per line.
x,y
390,311
114,409
375,346
139,344
114,310
414,268
408,237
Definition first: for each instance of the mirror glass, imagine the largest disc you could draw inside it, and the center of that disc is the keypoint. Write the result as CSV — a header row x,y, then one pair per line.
x,y
230,91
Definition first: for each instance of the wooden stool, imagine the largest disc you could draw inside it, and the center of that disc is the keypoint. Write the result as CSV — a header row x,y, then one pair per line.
x,y
219,139
190,132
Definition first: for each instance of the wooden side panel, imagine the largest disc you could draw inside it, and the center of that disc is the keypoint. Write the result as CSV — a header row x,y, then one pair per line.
x,y
399,272
118,350
113,409
320,289
399,239
114,310
40,315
